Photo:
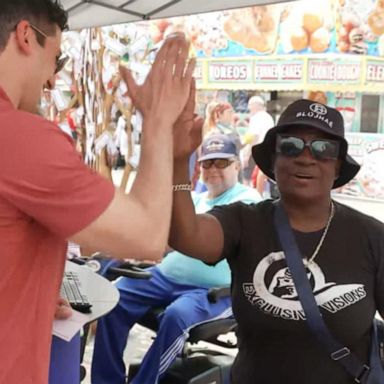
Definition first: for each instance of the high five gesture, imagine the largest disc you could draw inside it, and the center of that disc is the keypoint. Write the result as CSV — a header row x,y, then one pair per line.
x,y
166,90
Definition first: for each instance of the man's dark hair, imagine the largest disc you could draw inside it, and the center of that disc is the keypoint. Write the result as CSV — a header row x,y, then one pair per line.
x,y
43,13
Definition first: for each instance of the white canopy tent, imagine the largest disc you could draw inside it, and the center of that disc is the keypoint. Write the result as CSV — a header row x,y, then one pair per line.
x,y
91,13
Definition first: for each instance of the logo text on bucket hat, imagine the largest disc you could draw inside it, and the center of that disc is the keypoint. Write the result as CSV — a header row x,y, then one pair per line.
x,y
317,111
318,108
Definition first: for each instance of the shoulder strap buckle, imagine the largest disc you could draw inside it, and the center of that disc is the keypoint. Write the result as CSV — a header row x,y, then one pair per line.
x,y
340,353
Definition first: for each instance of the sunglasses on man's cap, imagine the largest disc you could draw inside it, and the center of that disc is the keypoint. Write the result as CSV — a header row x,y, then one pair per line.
x,y
321,149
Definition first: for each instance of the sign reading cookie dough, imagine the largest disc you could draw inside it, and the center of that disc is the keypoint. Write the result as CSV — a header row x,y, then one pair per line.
x,y
228,71
323,71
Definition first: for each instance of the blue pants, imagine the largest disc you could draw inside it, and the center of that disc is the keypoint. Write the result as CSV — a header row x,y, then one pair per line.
x,y
65,361
187,306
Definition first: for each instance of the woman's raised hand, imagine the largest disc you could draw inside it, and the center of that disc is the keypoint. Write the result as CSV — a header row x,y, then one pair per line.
x,y
188,128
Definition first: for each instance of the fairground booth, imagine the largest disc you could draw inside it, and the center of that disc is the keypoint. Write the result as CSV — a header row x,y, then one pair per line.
x,y
331,51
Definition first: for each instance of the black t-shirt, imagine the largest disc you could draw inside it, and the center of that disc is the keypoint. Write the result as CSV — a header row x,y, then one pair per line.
x,y
347,276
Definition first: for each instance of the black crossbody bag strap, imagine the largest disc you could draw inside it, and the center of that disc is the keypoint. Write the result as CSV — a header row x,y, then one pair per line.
x,y
316,324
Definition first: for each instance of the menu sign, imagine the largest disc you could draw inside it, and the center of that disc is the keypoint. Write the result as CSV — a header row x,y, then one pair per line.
x,y
198,73
324,71
270,71
228,71
374,72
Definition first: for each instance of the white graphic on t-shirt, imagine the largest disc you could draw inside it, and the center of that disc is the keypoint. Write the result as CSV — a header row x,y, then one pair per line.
x,y
273,290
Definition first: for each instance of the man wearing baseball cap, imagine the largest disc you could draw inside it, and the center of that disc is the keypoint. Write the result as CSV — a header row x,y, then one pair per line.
x,y
342,251
179,282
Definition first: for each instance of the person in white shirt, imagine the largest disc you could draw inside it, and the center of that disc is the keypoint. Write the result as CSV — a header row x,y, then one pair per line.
x,y
261,121
259,124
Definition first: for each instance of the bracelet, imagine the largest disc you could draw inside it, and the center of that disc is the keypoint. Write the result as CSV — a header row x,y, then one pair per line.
x,y
182,187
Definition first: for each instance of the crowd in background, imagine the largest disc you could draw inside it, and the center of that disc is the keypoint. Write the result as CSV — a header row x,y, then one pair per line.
x,y
220,117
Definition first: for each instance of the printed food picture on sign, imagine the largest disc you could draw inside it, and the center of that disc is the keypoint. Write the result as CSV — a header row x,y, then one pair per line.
x,y
368,150
347,103
372,174
204,31
361,27
306,28
255,28
241,32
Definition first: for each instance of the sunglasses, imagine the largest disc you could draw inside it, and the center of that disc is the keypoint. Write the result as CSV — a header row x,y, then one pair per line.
x,y
321,149
219,163
61,60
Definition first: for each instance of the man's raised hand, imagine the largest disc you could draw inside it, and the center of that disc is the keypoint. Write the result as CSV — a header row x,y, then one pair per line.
x,y
166,89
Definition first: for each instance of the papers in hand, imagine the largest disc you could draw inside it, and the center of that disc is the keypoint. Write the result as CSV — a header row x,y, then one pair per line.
x,y
102,141
66,329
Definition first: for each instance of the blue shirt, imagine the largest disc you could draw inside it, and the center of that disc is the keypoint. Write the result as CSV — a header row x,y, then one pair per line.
x,y
187,270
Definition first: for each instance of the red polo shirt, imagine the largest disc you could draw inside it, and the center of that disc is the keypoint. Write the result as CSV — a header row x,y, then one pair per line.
x,y
46,195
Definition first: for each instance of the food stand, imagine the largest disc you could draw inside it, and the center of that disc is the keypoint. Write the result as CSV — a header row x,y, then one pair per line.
x,y
333,52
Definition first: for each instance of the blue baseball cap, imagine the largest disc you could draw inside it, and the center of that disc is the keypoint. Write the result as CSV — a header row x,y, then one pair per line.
x,y
218,146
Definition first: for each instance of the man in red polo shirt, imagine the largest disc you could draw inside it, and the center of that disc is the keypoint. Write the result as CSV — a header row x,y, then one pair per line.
x,y
47,195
